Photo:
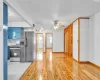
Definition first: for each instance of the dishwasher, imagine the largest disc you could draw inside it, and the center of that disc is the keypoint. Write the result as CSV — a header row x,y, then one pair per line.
x,y
14,54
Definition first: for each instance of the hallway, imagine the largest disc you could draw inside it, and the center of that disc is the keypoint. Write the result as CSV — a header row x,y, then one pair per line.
x,y
57,66
50,40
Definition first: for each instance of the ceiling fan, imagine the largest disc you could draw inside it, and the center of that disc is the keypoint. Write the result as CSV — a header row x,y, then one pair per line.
x,y
58,24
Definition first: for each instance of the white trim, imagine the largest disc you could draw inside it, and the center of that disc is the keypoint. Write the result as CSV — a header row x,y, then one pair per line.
x,y
1,40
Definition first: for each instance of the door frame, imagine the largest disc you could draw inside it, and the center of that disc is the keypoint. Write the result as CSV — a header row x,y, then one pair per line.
x,y
65,30
65,42
78,19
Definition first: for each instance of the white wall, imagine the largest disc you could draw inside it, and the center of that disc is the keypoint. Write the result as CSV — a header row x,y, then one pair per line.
x,y
49,41
91,39
75,40
94,32
84,38
1,40
58,41
18,24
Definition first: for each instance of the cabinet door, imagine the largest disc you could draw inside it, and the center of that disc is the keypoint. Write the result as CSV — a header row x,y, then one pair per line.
x,y
18,34
14,32
10,33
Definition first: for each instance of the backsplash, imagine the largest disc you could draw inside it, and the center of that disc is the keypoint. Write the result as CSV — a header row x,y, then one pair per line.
x,y
13,42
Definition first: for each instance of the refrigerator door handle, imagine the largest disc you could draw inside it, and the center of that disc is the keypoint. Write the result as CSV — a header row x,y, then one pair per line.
x,y
26,42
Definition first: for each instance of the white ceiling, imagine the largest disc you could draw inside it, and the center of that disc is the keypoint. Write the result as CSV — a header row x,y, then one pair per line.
x,y
13,16
44,12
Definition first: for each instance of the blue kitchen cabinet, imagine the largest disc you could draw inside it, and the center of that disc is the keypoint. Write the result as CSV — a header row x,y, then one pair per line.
x,y
14,32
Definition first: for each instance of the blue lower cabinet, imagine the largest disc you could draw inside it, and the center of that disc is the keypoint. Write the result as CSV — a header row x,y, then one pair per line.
x,y
8,53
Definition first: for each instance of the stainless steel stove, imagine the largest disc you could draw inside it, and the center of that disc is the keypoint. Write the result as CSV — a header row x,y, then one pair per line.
x,y
15,55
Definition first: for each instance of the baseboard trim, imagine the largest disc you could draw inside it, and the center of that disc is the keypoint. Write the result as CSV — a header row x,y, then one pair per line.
x,y
58,52
84,62
94,65
87,62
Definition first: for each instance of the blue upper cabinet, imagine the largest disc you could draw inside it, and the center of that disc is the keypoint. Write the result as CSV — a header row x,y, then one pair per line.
x,y
14,32
5,15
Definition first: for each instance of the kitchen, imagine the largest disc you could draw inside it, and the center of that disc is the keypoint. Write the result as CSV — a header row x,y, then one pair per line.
x,y
14,43
21,51
19,44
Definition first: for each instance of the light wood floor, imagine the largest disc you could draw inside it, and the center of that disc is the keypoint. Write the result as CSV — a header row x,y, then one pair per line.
x,y
55,66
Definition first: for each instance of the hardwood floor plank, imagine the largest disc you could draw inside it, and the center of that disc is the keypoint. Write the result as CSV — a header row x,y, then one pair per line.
x,y
49,66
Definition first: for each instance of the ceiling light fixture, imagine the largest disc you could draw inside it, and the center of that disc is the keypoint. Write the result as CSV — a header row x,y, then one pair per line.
x,y
55,27
58,24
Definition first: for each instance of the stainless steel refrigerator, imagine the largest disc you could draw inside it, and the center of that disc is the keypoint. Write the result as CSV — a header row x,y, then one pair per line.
x,y
27,47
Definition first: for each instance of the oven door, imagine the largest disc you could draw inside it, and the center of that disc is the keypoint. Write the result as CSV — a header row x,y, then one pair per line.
x,y
15,54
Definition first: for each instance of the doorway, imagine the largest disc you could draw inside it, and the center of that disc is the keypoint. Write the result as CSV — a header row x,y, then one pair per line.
x,y
39,41
43,43
49,41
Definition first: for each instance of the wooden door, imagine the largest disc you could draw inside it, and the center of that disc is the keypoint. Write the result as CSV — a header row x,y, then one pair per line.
x,y
71,40
65,34
68,40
